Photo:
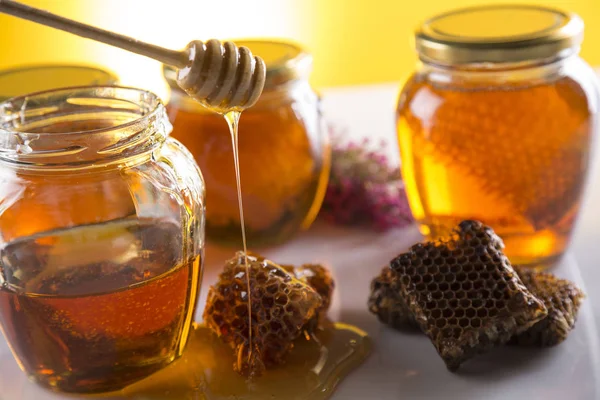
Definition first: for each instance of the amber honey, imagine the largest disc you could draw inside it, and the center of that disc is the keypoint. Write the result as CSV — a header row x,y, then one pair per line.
x,y
101,237
283,152
513,156
313,370
281,175
496,125
86,319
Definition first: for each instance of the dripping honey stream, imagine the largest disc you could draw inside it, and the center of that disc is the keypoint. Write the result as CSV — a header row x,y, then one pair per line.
x,y
233,121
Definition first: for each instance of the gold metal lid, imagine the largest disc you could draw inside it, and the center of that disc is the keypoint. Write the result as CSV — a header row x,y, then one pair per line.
x,y
37,78
285,61
498,34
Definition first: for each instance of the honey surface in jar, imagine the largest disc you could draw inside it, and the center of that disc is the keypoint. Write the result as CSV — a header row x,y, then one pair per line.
x,y
86,319
514,156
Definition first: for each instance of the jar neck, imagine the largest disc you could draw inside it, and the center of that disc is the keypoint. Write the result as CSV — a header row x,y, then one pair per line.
x,y
529,73
81,128
271,97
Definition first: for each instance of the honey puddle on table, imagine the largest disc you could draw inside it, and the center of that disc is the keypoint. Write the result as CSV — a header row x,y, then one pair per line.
x,y
313,370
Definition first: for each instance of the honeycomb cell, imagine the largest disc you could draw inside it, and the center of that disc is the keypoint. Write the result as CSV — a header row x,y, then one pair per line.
x,y
477,303
276,320
562,299
480,262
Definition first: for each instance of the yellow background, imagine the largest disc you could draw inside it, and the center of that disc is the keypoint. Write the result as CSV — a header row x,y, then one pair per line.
x,y
353,41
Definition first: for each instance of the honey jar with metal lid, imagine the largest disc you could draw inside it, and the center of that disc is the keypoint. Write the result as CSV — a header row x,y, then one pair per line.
x,y
283,150
496,125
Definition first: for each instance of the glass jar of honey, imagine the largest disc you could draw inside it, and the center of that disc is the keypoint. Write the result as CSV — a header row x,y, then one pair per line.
x,y
496,125
283,151
22,80
101,237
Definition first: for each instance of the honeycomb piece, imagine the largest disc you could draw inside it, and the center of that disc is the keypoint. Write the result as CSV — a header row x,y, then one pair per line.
x,y
464,293
386,301
281,306
317,277
562,299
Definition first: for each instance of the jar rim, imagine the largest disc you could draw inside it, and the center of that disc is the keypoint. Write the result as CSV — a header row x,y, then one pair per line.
x,y
128,121
285,60
31,78
498,34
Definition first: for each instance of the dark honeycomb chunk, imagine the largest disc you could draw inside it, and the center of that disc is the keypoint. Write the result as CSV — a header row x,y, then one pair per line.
x,y
281,306
386,301
464,294
562,299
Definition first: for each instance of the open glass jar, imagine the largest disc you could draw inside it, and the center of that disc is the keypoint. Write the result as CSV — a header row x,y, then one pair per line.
x,y
496,125
101,237
283,150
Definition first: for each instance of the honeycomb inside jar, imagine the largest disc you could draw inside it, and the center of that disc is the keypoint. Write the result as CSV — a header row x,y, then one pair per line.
x,y
513,156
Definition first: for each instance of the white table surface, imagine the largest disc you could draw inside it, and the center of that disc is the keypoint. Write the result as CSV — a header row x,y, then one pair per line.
x,y
406,366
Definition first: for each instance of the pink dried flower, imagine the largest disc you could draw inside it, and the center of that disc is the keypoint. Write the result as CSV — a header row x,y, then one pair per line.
x,y
364,190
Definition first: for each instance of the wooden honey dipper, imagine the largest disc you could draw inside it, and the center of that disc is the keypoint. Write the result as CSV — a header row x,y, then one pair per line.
x,y
221,76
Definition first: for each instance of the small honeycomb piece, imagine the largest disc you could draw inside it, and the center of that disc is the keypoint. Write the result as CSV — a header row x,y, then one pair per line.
x,y
386,301
281,306
317,277
562,299
464,294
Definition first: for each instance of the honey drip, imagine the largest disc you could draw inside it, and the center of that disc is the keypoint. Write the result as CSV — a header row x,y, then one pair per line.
x,y
312,371
233,119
